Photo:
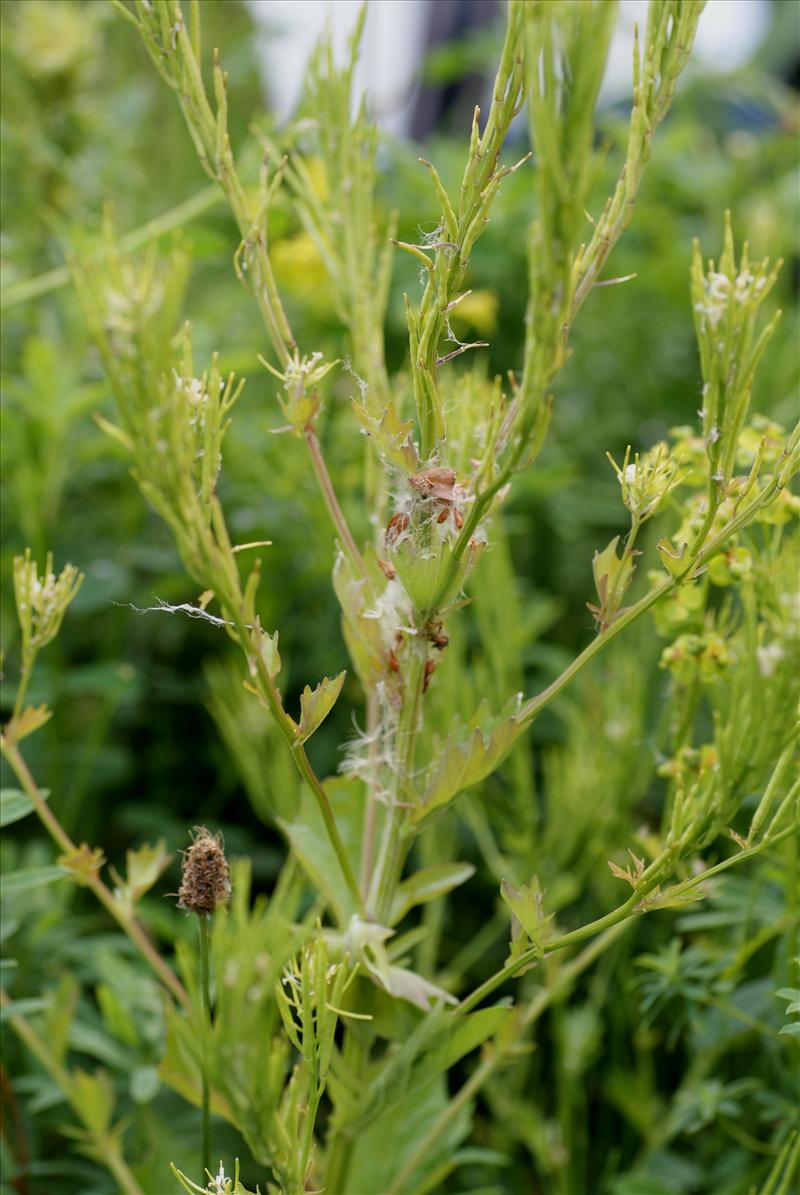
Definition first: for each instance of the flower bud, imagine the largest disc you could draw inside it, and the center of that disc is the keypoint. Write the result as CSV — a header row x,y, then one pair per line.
x,y
205,877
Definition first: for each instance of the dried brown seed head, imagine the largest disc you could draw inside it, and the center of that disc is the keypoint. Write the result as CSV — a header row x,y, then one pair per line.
x,y
205,877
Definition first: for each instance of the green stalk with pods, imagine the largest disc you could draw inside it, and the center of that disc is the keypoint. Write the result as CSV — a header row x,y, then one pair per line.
x,y
345,1048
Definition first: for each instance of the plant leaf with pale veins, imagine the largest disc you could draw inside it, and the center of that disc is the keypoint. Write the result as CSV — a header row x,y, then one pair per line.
x,y
315,705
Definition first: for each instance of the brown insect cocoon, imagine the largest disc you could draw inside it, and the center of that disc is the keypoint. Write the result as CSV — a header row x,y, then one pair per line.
x,y
436,634
205,876
441,477
440,518
430,668
435,483
458,518
397,524
388,570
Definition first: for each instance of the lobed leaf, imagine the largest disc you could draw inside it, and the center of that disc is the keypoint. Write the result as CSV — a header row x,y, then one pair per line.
x,y
471,752
317,704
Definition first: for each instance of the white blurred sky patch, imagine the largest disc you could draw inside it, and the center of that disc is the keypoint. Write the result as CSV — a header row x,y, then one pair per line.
x,y
729,33
391,50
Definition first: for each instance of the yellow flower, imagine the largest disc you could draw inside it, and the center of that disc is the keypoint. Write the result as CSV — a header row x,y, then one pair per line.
x,y
57,39
319,179
478,310
299,269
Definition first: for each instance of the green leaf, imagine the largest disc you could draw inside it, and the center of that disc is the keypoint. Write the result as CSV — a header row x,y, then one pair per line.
x,y
673,561
180,1068
29,878
95,1042
471,752
424,574
60,1011
425,1051
310,842
8,927
461,1037
94,1095
14,805
612,576
144,866
317,704
393,436
793,1007
30,720
359,596
529,918
22,1008
426,885
144,1084
116,1016
381,1150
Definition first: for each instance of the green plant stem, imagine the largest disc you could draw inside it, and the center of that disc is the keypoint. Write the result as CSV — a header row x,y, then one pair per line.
x,y
654,86
738,1014
371,814
785,1168
391,856
355,1055
59,835
793,910
288,729
331,501
107,1147
205,996
634,906
534,705
712,506
476,513
307,1144
623,912
22,688
459,232
315,784
502,1050
42,284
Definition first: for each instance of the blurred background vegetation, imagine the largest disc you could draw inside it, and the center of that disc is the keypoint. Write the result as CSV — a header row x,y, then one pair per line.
x,y
148,715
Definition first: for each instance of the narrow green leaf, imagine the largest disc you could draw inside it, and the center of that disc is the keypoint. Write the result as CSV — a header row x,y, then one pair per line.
x,y
14,805
28,878
426,885
22,1008
95,1096
311,845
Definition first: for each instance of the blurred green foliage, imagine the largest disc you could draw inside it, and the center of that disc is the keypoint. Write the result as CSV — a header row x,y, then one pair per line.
x,y
658,1073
